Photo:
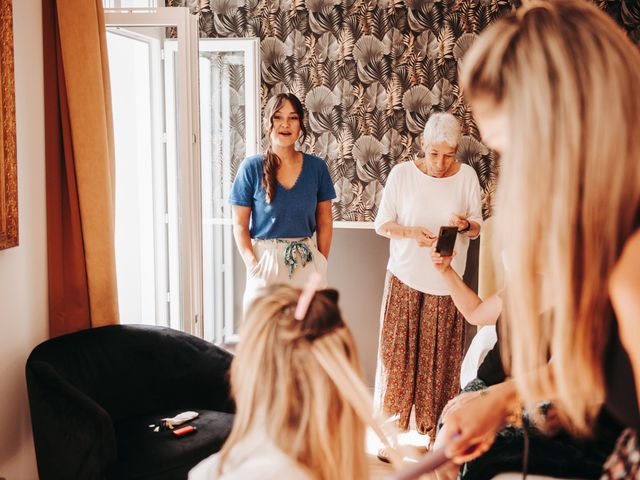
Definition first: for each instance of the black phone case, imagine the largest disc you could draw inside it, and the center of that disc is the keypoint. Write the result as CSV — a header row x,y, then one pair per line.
x,y
446,241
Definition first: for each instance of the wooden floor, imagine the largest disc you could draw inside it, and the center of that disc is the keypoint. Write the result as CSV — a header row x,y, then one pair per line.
x,y
415,446
380,471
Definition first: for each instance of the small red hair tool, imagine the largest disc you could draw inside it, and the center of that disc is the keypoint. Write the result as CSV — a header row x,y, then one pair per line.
x,y
184,430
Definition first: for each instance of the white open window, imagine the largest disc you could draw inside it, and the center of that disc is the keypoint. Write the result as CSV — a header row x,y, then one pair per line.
x,y
155,110
175,256
230,126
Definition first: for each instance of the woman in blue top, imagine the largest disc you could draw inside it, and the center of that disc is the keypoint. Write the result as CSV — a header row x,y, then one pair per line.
x,y
280,199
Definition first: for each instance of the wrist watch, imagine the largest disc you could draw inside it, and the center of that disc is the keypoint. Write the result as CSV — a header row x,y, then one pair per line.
x,y
467,228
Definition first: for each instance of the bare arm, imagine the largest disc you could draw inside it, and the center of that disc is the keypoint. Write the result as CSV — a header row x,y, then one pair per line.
x,y
466,301
241,216
324,227
385,223
624,291
394,230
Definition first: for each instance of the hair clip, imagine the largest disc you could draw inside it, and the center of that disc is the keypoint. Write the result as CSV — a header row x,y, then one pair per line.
x,y
306,296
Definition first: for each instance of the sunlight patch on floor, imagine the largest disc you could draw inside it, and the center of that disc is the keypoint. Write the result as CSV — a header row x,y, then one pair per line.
x,y
412,445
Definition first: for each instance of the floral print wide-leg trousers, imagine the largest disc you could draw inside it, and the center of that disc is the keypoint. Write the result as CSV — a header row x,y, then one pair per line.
x,y
419,356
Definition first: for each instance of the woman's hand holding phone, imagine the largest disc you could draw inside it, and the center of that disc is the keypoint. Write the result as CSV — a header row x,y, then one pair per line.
x,y
446,240
440,262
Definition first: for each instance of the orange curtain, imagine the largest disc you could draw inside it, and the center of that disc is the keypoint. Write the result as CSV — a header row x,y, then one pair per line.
x,y
79,167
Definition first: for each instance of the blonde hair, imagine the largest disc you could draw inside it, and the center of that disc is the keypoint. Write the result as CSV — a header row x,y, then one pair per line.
x,y
565,75
301,382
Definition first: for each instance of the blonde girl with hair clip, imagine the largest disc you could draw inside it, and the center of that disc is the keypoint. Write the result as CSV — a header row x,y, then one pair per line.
x,y
554,89
302,407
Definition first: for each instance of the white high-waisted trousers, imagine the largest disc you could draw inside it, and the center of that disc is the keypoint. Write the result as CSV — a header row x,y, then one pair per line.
x,y
272,269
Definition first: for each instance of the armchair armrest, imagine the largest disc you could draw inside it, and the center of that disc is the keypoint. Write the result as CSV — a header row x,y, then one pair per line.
x,y
218,387
66,420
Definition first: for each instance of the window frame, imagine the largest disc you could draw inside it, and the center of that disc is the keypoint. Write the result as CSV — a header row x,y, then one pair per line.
x,y
189,223
224,332
117,4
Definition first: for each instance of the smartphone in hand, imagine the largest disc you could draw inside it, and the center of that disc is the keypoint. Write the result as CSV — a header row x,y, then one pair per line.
x,y
446,240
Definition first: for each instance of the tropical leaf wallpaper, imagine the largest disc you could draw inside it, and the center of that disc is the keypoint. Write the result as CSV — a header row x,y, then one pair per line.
x,y
370,73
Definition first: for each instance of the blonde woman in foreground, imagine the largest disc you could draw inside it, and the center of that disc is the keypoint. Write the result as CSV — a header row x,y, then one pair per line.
x,y
554,89
302,407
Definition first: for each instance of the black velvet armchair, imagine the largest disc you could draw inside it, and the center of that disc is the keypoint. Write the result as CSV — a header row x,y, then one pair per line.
x,y
94,393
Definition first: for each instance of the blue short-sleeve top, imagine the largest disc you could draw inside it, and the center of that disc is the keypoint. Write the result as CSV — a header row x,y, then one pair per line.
x,y
292,213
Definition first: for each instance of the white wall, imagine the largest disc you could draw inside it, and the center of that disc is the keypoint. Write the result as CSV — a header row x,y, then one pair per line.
x,y
23,269
357,269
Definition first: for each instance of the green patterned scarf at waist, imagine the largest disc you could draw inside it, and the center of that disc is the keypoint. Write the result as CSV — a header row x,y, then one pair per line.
x,y
293,250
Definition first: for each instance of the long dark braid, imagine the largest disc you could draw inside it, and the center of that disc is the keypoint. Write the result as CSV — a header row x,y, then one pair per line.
x,y
271,160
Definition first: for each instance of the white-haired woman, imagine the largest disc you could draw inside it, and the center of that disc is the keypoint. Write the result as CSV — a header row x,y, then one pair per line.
x,y
302,407
553,88
422,332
